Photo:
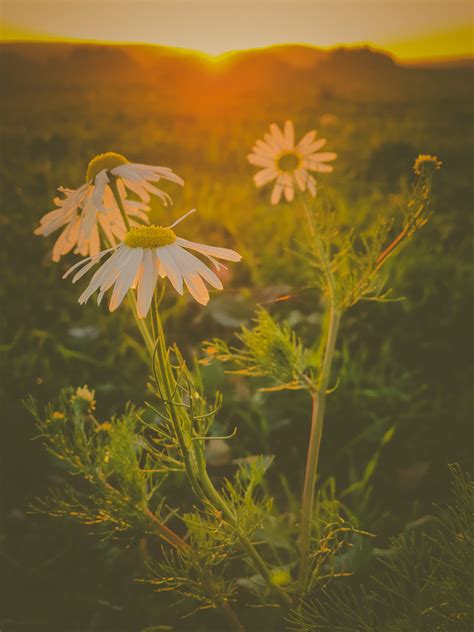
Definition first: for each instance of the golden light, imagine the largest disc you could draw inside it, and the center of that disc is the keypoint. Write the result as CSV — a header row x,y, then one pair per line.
x,y
406,29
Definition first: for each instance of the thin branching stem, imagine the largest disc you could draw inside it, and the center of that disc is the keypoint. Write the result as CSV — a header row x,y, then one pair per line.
x,y
317,419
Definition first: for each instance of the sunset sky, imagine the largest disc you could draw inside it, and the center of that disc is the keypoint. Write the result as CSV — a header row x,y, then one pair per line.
x,y
410,29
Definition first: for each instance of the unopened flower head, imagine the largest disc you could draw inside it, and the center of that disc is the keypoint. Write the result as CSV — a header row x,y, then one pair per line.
x,y
426,162
57,415
289,164
92,209
84,399
146,253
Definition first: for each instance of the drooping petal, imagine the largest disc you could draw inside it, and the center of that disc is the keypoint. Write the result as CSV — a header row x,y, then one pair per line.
x,y
110,268
100,182
170,268
125,279
214,251
198,266
196,288
138,189
147,283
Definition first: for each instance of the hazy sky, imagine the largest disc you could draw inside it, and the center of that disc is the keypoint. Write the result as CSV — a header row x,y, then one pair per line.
x,y
409,28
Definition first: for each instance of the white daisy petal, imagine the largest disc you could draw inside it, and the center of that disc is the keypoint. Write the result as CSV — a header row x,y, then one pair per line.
x,y
325,156
265,176
263,148
103,274
219,253
276,193
307,138
260,161
276,148
170,268
123,283
97,196
301,177
201,268
289,134
288,187
138,189
311,184
147,283
196,288
180,219
277,135
310,148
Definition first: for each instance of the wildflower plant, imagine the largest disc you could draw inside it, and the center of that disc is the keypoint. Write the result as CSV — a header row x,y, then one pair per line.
x,y
216,550
269,350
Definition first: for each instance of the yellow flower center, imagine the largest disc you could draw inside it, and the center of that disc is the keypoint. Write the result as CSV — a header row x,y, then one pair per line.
x,y
108,161
149,237
288,162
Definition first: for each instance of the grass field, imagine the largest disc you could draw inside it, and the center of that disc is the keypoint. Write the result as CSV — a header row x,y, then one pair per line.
x,y
403,365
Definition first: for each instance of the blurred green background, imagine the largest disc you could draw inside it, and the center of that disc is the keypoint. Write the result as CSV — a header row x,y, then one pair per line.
x,y
403,365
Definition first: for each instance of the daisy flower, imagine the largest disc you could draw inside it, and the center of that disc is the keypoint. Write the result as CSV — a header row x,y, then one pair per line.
x,y
82,236
287,163
81,211
146,253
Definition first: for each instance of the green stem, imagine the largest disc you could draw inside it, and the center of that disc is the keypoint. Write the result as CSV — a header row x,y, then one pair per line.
x,y
174,540
169,385
118,198
227,511
317,419
231,616
141,324
201,483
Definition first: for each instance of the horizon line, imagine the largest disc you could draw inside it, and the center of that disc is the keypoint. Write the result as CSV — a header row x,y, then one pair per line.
x,y
216,57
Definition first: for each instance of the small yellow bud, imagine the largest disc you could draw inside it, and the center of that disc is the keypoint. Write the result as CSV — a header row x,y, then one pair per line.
x,y
57,415
104,427
280,577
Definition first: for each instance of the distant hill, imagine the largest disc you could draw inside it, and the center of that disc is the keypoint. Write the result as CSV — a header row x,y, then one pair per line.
x,y
278,74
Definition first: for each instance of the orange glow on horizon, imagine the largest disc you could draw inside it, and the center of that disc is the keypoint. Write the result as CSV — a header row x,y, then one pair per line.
x,y
215,29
